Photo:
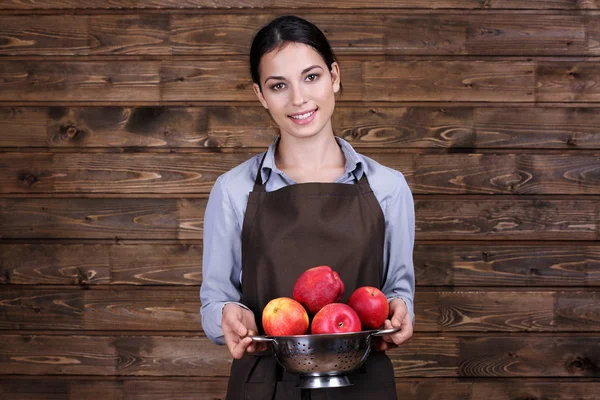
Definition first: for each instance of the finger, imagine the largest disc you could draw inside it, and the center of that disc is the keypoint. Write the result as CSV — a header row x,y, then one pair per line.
x,y
398,317
405,333
387,325
231,344
240,348
235,325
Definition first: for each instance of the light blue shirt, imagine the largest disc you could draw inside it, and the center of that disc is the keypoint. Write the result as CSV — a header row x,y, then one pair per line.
x,y
222,252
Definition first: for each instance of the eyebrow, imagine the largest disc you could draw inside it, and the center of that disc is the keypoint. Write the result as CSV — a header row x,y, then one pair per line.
x,y
305,70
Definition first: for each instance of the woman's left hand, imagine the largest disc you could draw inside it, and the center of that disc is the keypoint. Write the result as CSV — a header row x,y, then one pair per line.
x,y
399,317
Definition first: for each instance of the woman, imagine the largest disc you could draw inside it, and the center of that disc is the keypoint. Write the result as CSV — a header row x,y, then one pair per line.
x,y
309,200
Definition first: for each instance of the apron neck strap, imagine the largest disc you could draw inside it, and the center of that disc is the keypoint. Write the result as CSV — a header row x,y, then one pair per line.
x,y
259,185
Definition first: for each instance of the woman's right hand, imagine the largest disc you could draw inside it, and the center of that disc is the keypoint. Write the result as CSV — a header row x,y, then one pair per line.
x,y
238,324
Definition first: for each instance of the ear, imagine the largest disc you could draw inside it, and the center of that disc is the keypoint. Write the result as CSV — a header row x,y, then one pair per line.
x,y
335,77
260,96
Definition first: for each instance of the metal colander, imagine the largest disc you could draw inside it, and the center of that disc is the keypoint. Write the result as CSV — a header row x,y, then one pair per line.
x,y
323,360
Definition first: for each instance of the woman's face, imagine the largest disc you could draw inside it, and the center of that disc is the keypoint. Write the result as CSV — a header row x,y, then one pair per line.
x,y
298,90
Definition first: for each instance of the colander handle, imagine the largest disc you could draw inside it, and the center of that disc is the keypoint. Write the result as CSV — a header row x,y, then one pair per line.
x,y
382,332
262,339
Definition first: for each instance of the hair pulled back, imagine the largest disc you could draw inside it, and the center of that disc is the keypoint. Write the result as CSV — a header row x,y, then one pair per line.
x,y
288,29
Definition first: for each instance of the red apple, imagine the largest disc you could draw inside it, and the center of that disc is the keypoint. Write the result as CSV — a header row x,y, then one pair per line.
x,y
318,286
371,305
336,318
283,317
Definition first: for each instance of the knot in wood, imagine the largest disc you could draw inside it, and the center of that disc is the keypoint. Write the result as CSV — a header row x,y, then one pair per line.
x,y
580,364
30,179
72,132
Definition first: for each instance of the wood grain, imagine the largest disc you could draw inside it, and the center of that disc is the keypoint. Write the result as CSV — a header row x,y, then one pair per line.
x,y
103,218
458,265
428,33
448,81
113,356
101,264
501,81
177,309
68,173
422,356
238,126
78,80
401,4
507,265
173,310
517,219
61,388
522,357
567,82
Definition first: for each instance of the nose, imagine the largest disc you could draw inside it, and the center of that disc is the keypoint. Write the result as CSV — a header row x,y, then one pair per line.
x,y
298,95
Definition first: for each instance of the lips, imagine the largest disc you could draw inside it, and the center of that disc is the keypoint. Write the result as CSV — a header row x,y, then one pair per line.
x,y
303,117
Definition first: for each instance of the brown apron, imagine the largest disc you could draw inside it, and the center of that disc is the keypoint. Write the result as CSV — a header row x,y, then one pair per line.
x,y
288,231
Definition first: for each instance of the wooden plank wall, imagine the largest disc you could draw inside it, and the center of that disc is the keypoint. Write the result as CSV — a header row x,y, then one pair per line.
x,y
117,116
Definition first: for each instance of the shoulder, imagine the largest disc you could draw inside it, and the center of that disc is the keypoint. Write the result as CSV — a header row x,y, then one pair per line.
x,y
233,187
240,176
385,179
387,183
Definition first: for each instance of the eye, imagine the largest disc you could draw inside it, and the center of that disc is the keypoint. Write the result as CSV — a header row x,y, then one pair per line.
x,y
311,77
277,86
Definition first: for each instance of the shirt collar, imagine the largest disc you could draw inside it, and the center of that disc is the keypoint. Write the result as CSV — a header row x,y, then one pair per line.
x,y
353,161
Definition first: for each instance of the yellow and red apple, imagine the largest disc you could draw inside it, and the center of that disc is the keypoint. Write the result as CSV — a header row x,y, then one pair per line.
x,y
284,316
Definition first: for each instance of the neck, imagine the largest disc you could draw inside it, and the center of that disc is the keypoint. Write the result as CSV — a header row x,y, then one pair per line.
x,y
309,155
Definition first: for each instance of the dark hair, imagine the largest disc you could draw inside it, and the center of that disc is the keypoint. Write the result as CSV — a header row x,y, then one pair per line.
x,y
287,29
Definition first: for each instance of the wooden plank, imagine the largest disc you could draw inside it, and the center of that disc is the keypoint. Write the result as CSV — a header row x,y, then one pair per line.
x,y
129,34
216,127
567,81
518,219
177,309
536,127
101,264
310,4
102,218
502,81
455,265
422,356
154,309
436,219
500,34
76,81
523,357
59,355
502,174
114,173
230,34
62,388
489,311
448,81
68,173
110,356
44,35
506,265
496,389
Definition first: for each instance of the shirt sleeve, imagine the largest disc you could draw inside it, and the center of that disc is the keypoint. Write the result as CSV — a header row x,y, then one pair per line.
x,y
221,261
399,244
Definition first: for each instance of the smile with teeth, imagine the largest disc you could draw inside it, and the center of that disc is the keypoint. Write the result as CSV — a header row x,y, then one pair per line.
x,y
303,116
